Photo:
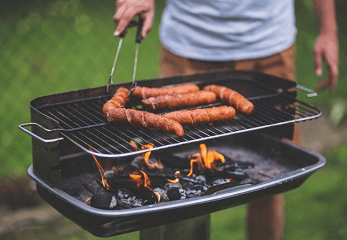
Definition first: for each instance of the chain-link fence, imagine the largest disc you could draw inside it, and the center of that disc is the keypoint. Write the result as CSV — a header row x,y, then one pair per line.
x,y
55,46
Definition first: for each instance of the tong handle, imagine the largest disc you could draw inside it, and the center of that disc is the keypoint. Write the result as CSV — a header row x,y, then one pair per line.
x,y
132,23
122,35
310,92
22,127
139,30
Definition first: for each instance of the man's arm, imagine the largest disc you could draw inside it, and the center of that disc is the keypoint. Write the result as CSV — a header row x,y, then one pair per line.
x,y
326,45
127,9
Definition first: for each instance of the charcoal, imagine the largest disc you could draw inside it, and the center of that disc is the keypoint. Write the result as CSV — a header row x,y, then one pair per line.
x,y
160,191
195,191
172,161
220,181
104,200
126,199
146,194
188,182
175,193
172,185
237,175
201,179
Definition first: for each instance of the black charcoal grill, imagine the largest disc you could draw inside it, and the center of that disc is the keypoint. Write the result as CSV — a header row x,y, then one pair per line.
x,y
68,128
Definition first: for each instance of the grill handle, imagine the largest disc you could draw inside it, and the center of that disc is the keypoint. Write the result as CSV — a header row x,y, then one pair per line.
x,y
22,127
310,92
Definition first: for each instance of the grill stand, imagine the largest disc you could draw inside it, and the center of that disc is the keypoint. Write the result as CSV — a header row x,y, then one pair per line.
x,y
193,229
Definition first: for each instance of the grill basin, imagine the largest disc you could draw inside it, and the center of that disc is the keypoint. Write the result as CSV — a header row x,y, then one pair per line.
x,y
284,166
67,128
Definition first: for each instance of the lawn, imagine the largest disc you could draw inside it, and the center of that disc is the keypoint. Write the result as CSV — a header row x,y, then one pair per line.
x,y
60,45
68,44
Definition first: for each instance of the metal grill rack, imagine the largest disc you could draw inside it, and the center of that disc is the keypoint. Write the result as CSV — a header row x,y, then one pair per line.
x,y
83,123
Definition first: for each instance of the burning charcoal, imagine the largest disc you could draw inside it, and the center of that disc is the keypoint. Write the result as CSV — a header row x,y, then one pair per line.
x,y
126,199
104,200
146,194
237,175
195,191
193,180
172,185
220,181
160,191
175,193
201,179
172,161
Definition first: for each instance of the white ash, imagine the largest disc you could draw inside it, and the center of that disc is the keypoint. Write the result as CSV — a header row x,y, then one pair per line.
x,y
104,200
160,191
220,181
171,185
175,193
201,179
127,200
113,202
195,191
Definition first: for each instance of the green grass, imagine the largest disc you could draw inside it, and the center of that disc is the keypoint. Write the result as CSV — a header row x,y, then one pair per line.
x,y
65,45
56,47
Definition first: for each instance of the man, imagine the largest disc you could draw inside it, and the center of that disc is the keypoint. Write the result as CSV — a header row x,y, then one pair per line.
x,y
258,35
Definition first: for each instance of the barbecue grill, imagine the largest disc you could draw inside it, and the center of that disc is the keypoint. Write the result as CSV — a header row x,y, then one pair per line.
x,y
69,128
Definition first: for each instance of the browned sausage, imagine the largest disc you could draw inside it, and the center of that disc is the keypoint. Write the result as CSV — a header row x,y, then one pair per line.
x,y
119,99
176,101
204,115
145,119
232,97
145,92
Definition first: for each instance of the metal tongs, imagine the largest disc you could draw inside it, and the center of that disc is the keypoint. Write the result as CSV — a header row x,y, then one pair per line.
x,y
138,40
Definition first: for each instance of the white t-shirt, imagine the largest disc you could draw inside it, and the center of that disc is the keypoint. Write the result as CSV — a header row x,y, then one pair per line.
x,y
226,30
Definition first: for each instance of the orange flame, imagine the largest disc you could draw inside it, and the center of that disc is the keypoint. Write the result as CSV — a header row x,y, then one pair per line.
x,y
145,182
137,178
206,159
176,180
148,154
133,144
102,172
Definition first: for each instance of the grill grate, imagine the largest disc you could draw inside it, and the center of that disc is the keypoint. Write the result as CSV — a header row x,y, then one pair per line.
x,y
84,123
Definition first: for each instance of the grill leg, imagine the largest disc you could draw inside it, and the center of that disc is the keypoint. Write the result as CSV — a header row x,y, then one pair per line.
x,y
193,229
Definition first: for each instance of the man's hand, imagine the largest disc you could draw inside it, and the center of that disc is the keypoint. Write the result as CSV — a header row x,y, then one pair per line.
x,y
326,45
127,9
326,48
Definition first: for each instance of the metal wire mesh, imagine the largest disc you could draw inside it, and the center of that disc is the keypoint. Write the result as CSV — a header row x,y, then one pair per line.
x,y
84,124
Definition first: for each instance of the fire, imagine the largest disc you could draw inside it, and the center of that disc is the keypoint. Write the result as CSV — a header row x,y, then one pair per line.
x,y
145,182
137,178
102,172
176,180
148,154
133,144
205,159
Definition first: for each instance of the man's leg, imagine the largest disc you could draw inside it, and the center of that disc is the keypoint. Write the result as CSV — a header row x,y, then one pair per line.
x,y
265,218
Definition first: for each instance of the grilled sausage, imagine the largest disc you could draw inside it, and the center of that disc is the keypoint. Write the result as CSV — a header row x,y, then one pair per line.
x,y
179,100
145,92
145,119
119,99
232,97
204,115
